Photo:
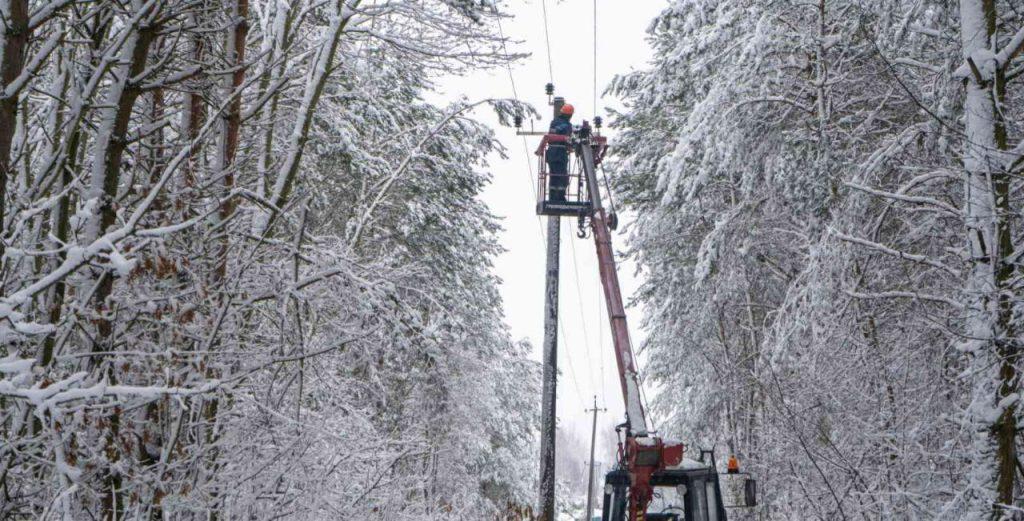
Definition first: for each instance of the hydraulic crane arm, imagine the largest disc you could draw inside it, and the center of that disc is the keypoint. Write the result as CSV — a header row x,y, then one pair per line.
x,y
623,349
628,379
642,455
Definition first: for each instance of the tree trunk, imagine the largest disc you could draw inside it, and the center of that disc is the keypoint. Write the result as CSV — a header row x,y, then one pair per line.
x,y
323,64
987,208
232,127
110,146
15,43
191,121
60,220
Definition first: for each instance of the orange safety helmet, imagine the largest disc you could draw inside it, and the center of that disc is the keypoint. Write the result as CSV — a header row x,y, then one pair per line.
x,y
567,109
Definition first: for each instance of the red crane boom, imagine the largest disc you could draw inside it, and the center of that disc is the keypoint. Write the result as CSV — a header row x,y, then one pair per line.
x,y
642,455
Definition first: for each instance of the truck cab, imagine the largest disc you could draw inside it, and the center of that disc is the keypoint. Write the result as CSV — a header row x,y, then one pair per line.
x,y
687,492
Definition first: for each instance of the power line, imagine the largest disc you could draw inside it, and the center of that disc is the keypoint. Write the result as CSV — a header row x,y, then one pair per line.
x,y
643,394
583,315
547,41
508,62
600,346
568,359
526,147
572,372
595,58
600,314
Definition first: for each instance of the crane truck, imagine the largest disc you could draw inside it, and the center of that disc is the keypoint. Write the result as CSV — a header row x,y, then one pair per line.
x,y
648,467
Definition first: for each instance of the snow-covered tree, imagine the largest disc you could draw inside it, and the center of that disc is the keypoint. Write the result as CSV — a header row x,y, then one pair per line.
x,y
245,270
803,176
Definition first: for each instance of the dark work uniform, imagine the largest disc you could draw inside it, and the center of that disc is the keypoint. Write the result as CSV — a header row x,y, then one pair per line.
x,y
558,159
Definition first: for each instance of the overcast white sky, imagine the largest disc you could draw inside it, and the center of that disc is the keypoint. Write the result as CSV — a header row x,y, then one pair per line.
x,y
586,359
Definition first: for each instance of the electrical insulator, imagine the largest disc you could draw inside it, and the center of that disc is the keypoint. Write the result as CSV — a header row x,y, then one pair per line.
x,y
549,89
598,121
518,120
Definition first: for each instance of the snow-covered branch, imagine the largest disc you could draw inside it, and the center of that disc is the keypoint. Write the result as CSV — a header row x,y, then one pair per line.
x,y
881,248
913,199
907,295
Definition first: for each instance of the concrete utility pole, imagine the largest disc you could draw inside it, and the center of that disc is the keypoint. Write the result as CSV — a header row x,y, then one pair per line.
x,y
546,504
590,479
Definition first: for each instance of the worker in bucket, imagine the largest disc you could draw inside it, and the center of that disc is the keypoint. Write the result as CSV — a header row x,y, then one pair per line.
x,y
558,155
